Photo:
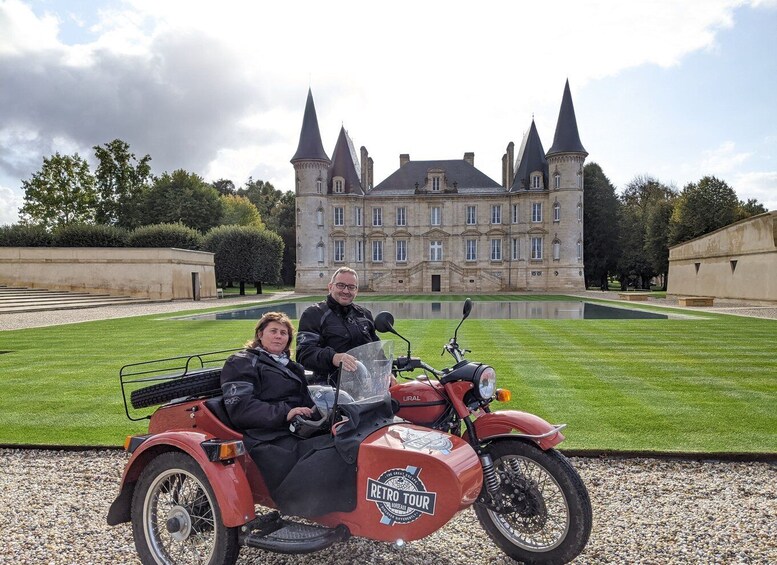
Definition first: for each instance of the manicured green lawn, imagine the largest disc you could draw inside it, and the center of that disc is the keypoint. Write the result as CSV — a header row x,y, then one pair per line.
x,y
707,384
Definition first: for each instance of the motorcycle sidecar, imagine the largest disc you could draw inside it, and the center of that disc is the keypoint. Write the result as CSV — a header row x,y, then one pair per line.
x,y
190,486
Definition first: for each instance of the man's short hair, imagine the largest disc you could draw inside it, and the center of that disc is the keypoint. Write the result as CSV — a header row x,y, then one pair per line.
x,y
344,270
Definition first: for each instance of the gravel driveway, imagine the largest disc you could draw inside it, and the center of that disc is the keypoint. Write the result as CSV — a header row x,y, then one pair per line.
x,y
53,506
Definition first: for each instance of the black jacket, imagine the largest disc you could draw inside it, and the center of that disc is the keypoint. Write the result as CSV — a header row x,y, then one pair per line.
x,y
327,328
259,392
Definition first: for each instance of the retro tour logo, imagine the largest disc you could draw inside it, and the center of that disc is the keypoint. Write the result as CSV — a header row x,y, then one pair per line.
x,y
401,496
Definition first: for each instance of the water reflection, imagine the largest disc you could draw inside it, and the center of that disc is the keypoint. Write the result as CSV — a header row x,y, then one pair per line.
x,y
512,310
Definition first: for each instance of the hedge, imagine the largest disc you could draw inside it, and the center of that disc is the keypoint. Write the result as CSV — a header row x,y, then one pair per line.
x,y
89,235
19,235
166,235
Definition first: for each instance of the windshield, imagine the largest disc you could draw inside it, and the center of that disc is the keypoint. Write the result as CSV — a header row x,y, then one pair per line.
x,y
370,381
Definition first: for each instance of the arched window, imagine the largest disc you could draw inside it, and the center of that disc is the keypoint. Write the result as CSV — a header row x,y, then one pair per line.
x,y
319,185
579,211
320,251
579,250
556,212
320,217
556,249
557,180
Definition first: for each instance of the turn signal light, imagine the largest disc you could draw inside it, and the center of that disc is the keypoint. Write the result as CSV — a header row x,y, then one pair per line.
x,y
503,395
231,449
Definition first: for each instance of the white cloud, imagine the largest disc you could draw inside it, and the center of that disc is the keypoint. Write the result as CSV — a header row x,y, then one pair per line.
x,y
723,160
219,89
759,185
10,202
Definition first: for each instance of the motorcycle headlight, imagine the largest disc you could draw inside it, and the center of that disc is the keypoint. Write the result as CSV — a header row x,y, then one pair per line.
x,y
485,382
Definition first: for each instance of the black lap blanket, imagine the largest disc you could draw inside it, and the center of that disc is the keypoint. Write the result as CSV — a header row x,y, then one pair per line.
x,y
315,476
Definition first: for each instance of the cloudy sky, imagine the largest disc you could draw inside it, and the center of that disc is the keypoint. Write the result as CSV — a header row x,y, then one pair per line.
x,y
676,90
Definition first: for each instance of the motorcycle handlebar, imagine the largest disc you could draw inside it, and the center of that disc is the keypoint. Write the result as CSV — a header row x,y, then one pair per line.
x,y
412,363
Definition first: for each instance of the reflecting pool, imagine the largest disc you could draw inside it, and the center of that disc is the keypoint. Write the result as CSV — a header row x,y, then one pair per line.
x,y
510,310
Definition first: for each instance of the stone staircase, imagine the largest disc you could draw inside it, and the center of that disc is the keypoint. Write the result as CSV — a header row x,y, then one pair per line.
x,y
21,299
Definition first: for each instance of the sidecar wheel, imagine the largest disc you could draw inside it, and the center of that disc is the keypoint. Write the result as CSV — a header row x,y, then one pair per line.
x,y
175,517
546,515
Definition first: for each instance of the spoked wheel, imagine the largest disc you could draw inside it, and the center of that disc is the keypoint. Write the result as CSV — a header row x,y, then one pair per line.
x,y
175,518
542,513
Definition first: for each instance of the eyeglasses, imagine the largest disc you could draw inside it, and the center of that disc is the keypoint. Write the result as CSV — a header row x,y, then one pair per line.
x,y
343,286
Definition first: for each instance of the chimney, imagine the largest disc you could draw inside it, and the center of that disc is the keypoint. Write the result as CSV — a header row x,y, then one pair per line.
x,y
404,158
469,157
365,178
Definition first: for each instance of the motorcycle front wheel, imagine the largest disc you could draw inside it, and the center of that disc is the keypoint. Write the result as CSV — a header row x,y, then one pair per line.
x,y
175,518
542,512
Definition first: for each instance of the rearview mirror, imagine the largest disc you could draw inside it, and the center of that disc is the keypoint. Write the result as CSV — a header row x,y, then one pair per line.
x,y
384,322
467,307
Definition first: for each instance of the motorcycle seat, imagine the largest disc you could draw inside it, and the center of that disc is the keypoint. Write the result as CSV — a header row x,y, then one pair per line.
x,y
216,405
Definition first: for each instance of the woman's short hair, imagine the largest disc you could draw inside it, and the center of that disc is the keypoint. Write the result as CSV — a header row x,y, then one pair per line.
x,y
279,317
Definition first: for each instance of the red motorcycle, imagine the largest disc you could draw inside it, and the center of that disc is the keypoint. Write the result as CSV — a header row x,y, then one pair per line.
x,y
424,452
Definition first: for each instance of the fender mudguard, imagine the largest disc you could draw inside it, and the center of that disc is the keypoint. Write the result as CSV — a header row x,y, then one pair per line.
x,y
228,480
514,423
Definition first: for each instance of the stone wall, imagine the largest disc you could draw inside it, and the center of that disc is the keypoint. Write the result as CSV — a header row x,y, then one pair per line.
x,y
155,273
736,262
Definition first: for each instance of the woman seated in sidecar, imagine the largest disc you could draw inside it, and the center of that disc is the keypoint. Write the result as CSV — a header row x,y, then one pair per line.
x,y
263,392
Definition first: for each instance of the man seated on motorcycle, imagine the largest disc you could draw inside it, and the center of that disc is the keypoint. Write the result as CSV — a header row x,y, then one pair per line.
x,y
263,391
329,329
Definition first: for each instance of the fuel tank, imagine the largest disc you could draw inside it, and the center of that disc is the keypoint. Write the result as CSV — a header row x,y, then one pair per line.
x,y
410,482
420,401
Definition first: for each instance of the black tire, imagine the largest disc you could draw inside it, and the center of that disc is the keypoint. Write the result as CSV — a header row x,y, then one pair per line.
x,y
201,383
175,517
549,516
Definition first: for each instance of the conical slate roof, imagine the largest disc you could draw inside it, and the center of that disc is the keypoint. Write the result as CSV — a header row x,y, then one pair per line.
x,y
344,164
531,157
567,139
310,146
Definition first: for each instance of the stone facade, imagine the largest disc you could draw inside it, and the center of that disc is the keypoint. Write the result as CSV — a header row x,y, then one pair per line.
x,y
442,226
735,262
158,274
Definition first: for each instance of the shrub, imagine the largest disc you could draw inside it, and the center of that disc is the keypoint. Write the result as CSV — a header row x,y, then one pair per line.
x,y
245,253
166,235
18,235
89,235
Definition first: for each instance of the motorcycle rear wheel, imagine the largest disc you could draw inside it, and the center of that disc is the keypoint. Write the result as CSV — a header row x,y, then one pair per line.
x,y
549,512
175,517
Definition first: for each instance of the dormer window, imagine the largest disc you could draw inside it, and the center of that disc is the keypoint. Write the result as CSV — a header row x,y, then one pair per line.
x,y
435,184
536,181
338,185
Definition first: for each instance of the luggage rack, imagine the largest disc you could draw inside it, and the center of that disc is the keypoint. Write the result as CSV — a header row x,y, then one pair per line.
x,y
159,375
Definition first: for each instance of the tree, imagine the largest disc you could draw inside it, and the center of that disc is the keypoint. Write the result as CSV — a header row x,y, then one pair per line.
x,y
61,193
643,239
750,208
224,186
182,197
600,213
239,211
283,222
245,254
656,244
702,208
122,181
262,194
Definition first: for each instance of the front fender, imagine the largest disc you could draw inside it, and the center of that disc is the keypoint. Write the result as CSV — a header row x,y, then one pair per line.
x,y
228,480
514,423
